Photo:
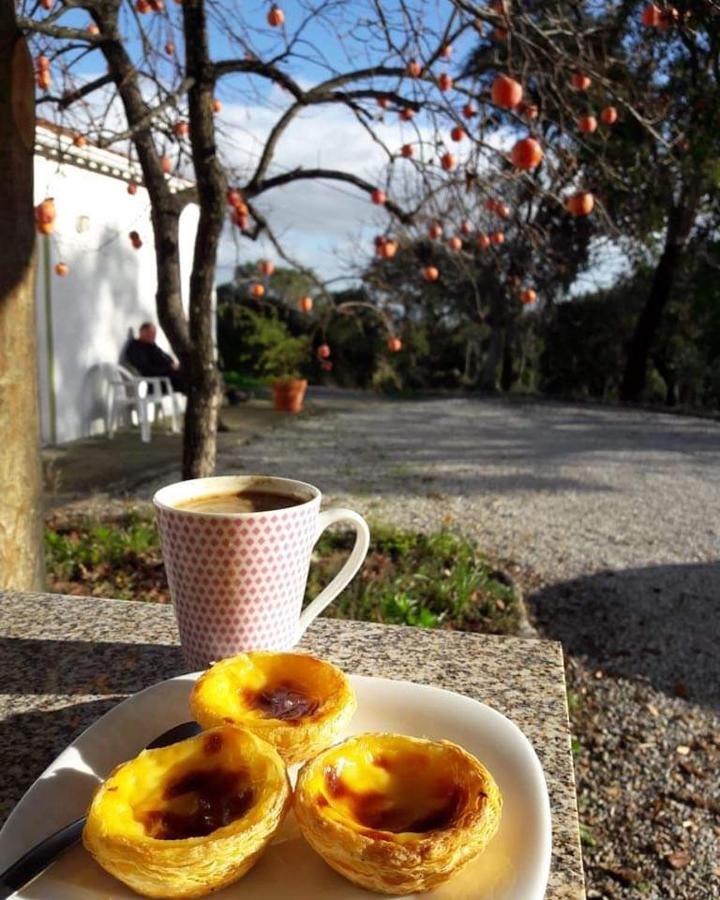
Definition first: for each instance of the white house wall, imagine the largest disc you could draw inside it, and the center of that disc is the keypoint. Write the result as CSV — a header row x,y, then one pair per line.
x,y
108,292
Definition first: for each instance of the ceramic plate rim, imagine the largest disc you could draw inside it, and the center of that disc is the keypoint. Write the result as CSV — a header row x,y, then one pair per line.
x,y
530,756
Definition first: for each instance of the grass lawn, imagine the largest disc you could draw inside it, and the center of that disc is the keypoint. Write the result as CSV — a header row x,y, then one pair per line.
x,y
440,580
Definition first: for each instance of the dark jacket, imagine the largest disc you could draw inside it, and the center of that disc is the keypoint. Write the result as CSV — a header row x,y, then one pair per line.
x,y
148,359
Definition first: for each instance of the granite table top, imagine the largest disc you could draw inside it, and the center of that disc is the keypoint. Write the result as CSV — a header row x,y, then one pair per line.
x,y
65,661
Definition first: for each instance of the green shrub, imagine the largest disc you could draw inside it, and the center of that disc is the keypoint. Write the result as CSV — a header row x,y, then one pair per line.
x,y
435,580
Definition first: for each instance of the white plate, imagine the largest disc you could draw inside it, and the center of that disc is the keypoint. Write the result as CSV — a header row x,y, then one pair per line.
x,y
515,866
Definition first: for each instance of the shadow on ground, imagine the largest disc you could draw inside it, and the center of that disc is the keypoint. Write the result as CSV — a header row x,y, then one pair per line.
x,y
73,672
659,624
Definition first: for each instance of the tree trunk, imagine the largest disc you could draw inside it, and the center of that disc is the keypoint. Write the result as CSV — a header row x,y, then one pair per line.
x,y
488,376
201,418
191,338
668,377
21,557
680,223
507,373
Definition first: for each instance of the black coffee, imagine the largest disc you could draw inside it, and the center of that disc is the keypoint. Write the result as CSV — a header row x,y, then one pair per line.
x,y
240,502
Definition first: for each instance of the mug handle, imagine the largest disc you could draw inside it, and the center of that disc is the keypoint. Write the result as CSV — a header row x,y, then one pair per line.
x,y
348,571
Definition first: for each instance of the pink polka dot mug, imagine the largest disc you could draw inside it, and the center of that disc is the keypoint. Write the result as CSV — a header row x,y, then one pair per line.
x,y
237,579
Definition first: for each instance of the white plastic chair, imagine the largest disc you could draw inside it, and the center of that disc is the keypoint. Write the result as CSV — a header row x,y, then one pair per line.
x,y
141,395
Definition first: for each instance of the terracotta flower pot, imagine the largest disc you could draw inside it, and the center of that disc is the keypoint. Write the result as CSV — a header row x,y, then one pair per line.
x,y
288,394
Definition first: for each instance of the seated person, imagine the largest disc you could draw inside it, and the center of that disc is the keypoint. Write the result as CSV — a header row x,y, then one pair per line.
x,y
144,355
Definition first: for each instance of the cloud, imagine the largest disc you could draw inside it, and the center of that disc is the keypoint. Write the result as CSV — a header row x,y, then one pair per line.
x,y
321,223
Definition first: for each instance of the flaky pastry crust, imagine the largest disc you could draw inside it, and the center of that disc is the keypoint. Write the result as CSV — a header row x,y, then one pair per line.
x,y
397,814
151,823
295,702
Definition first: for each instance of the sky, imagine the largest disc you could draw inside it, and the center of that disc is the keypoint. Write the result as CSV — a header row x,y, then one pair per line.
x,y
324,225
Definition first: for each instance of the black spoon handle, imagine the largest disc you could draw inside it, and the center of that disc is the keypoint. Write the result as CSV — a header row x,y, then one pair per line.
x,y
41,855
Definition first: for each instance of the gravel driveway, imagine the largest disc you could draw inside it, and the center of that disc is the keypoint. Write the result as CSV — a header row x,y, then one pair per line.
x,y
612,519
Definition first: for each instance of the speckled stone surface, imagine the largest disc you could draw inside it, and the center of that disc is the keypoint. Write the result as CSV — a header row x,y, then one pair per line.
x,y
66,661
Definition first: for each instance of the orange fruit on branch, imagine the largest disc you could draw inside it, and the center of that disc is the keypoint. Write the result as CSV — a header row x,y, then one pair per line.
x,y
306,304
217,106
469,111
79,140
506,92
458,133
135,240
378,197
166,164
430,273
503,210
580,204
528,296
266,266
435,231
527,154
482,242
609,115
407,151
383,102
276,17
132,188
587,124
323,351
394,344
448,162
61,269
651,16
445,82
455,244
466,228
497,238
181,129
580,81
414,69
406,113
45,215
257,290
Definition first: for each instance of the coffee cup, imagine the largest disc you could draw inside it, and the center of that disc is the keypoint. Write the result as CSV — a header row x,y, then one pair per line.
x,y
237,552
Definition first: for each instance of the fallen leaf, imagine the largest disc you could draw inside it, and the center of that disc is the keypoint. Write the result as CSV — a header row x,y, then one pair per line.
x,y
624,874
679,859
682,749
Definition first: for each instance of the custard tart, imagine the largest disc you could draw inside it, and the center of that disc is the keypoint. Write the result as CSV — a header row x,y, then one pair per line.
x,y
295,702
397,814
186,820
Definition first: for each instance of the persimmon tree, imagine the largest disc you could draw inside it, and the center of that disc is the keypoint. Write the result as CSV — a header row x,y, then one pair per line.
x,y
166,101
636,129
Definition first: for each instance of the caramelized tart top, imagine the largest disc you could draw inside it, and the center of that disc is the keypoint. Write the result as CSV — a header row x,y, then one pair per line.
x,y
394,788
